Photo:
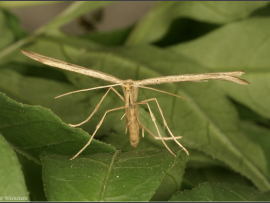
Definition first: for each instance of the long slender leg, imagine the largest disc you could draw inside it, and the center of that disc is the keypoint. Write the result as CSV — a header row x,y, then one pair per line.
x,y
158,138
130,122
152,116
154,120
123,116
97,107
154,99
126,125
164,121
98,126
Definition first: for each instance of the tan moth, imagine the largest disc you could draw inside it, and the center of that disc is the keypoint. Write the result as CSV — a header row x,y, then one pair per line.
x,y
130,89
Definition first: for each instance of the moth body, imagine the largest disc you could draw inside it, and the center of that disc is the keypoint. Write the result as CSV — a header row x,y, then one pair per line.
x,y
132,112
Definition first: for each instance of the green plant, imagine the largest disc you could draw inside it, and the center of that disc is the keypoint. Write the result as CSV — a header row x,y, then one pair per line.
x,y
224,126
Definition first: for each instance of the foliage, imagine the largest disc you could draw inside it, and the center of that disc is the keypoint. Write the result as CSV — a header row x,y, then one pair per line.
x,y
225,126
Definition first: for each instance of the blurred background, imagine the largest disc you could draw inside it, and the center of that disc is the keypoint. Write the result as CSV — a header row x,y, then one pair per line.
x,y
224,126
117,15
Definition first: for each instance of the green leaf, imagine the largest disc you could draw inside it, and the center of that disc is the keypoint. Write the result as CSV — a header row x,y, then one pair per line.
x,y
110,38
6,32
33,178
242,45
183,30
196,176
261,136
172,180
208,122
264,11
221,192
246,114
198,159
34,129
11,176
131,176
156,22
203,168
10,28
71,109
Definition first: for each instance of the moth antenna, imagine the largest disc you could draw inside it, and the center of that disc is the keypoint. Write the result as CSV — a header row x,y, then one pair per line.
x,y
84,90
150,88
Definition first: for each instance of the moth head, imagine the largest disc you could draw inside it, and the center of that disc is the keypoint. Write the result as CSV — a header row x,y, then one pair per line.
x,y
128,85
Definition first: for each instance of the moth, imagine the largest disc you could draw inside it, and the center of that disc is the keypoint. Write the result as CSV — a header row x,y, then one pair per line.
x,y
130,89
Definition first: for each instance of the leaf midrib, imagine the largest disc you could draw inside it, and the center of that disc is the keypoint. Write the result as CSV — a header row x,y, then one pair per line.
x,y
103,189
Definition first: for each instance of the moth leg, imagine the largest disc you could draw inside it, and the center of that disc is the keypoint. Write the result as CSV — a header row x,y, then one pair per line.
x,y
123,116
97,107
154,120
154,99
164,121
155,137
127,124
98,126
130,122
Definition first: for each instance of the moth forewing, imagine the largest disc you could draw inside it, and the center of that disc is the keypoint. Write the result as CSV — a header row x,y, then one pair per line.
x,y
227,76
71,67
130,89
